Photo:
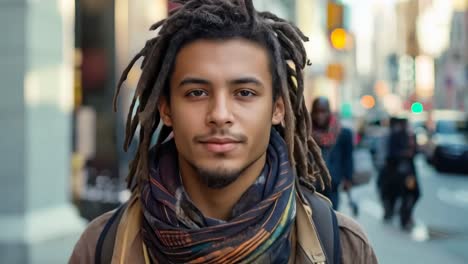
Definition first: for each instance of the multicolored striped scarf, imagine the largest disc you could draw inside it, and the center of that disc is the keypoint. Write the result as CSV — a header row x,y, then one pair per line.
x,y
175,231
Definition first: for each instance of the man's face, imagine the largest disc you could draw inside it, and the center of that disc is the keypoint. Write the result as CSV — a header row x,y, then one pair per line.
x,y
321,114
221,108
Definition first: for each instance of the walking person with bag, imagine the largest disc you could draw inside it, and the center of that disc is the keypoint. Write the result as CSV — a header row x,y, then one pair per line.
x,y
398,180
232,176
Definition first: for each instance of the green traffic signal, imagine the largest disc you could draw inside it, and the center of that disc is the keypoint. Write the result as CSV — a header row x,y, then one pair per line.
x,y
417,107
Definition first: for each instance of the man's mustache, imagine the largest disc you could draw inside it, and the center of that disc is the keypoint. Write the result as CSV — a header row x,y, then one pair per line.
x,y
220,133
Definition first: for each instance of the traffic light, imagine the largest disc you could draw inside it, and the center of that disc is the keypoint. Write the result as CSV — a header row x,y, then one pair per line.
x,y
335,26
334,16
417,107
338,38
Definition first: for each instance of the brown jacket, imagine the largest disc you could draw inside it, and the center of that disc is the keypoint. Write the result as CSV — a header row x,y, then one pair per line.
x,y
355,246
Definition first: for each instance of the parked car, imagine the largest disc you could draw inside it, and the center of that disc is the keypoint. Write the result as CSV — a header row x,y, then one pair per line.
x,y
447,147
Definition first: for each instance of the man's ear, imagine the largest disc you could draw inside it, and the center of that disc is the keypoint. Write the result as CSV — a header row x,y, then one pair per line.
x,y
165,111
278,111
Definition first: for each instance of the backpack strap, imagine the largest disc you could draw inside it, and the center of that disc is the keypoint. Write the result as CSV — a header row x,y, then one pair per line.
x,y
325,221
106,241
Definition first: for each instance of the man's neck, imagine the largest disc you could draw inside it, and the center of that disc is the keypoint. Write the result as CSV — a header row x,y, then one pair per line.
x,y
218,203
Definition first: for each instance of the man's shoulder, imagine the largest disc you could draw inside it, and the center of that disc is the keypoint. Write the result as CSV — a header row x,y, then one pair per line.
x,y
355,245
345,223
97,225
85,248
351,227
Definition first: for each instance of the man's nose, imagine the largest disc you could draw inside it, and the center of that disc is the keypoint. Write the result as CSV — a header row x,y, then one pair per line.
x,y
220,110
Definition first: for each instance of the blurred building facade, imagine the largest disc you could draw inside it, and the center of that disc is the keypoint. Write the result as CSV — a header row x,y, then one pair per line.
x,y
399,52
109,33
38,222
452,74
283,8
311,17
60,60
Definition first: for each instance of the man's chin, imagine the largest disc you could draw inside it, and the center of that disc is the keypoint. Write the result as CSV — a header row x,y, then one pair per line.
x,y
218,178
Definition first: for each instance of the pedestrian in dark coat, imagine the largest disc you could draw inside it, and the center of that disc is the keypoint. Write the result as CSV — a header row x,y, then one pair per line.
x,y
398,179
336,143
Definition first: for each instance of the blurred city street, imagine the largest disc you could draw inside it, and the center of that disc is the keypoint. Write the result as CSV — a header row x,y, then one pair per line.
x,y
441,231
392,72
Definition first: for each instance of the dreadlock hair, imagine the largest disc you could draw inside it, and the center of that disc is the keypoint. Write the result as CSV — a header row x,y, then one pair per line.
x,y
221,20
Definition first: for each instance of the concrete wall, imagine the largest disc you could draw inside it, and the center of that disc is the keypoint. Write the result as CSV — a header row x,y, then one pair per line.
x,y
39,225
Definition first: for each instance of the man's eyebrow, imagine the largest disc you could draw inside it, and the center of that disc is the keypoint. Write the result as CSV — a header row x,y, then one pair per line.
x,y
247,80
193,80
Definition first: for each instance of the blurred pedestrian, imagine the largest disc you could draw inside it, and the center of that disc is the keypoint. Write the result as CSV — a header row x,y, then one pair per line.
x,y
336,144
398,179
231,177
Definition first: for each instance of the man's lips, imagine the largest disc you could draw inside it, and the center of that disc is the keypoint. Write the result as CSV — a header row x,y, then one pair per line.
x,y
220,145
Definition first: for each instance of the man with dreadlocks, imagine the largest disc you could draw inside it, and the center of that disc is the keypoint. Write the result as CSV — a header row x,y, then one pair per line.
x,y
231,176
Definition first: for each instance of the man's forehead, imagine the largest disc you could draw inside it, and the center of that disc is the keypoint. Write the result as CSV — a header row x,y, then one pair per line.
x,y
229,58
212,46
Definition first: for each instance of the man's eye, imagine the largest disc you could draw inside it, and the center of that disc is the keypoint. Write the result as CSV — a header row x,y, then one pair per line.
x,y
245,93
197,93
